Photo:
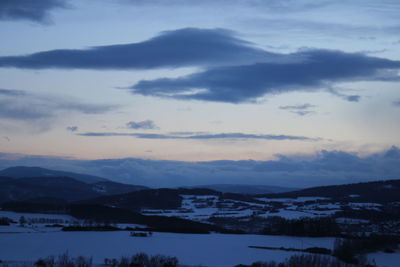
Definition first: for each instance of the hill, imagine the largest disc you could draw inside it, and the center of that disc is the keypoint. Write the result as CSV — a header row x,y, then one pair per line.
x,y
377,192
22,171
66,188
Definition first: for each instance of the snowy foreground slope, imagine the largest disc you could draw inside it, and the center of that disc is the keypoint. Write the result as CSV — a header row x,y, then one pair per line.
x,y
218,250
192,249
355,212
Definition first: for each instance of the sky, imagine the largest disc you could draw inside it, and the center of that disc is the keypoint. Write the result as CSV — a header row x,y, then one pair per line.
x,y
199,81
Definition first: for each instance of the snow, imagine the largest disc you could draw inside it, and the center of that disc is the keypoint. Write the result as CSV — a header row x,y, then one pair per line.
x,y
241,213
130,225
369,206
289,214
209,250
15,228
201,208
328,206
193,207
351,221
291,200
358,204
203,197
385,259
35,222
16,215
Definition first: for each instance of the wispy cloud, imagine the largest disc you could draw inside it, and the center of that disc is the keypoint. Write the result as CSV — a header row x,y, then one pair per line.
x,y
13,93
202,136
301,110
20,105
350,98
298,107
143,125
72,128
33,10
273,5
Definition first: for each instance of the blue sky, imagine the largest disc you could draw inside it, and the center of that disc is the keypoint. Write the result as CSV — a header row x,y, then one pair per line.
x,y
198,80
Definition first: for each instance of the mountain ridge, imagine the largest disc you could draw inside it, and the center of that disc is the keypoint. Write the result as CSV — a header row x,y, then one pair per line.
x,y
67,188
30,171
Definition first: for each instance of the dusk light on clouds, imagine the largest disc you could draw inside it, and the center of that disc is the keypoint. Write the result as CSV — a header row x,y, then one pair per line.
x,y
198,80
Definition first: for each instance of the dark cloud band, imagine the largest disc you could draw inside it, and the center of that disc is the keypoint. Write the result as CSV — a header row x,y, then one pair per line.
x,y
235,71
231,136
179,48
144,125
245,83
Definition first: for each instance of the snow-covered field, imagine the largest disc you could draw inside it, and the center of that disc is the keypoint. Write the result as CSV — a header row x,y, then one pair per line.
x,y
386,260
209,250
32,242
35,240
16,215
201,208
34,222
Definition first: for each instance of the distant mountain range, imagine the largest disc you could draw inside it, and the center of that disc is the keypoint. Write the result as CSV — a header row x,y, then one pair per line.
x,y
213,208
27,183
23,172
24,183
378,191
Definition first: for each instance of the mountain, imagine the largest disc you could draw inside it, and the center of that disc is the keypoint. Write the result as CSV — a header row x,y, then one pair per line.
x,y
377,192
245,188
22,171
66,188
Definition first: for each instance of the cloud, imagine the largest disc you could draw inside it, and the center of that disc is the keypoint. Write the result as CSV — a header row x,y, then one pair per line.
x,y
72,128
251,136
367,38
246,83
396,103
301,110
203,136
353,98
323,168
23,106
144,125
350,98
33,10
273,5
179,48
298,107
233,70
7,92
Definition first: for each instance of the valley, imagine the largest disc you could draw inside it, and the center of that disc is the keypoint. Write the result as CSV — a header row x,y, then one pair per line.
x,y
270,226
